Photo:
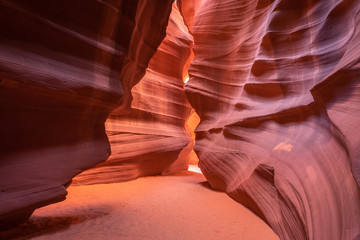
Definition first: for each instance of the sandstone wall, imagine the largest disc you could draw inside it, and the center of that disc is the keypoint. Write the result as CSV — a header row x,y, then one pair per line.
x,y
64,66
276,85
151,139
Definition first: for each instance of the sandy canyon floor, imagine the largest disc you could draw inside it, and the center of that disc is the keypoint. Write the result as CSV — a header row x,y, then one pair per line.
x,y
173,207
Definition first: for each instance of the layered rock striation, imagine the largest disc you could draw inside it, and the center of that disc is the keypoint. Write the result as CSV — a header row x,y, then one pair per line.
x,y
276,85
64,66
274,82
151,139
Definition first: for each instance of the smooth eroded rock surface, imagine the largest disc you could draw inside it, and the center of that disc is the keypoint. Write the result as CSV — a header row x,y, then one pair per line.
x,y
276,85
152,138
62,67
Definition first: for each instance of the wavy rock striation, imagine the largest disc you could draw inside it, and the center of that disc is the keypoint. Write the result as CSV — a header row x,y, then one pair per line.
x,y
62,66
276,85
152,138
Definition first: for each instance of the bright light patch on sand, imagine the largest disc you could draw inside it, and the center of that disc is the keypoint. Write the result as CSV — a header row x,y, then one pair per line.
x,y
186,79
194,168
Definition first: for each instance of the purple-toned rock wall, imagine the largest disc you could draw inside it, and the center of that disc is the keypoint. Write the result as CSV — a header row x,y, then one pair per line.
x,y
64,66
276,85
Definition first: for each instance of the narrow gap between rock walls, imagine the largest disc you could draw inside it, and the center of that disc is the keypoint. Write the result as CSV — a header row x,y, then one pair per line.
x,y
190,125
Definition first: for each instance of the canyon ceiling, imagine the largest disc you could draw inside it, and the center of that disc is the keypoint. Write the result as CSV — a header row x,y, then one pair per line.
x,y
94,91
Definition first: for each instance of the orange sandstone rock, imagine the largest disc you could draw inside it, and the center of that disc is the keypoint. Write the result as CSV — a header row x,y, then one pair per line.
x,y
276,85
152,138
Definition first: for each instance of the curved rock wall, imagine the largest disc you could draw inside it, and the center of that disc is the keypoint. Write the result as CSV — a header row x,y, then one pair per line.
x,y
152,138
276,85
62,66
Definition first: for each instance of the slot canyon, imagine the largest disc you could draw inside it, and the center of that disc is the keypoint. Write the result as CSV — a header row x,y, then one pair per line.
x,y
187,119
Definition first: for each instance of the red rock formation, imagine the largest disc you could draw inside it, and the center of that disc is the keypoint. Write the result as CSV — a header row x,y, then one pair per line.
x,y
61,63
276,85
151,139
